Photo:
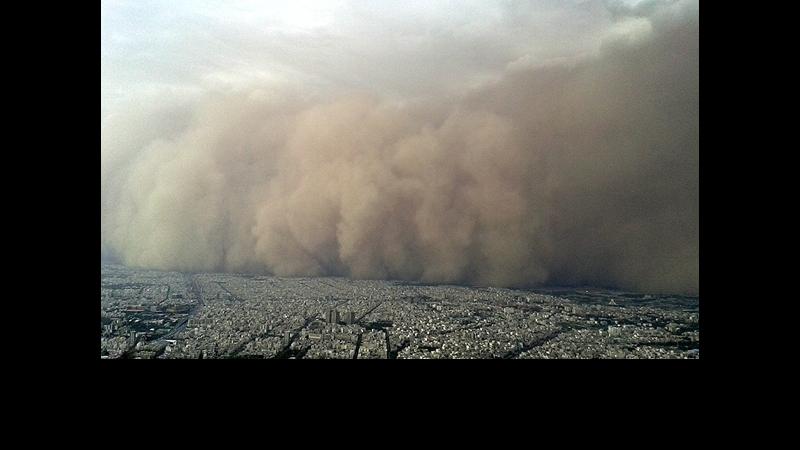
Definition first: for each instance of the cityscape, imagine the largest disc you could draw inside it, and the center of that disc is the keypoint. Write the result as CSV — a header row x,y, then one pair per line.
x,y
148,314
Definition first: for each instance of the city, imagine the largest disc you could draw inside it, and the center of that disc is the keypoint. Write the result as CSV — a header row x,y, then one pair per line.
x,y
149,314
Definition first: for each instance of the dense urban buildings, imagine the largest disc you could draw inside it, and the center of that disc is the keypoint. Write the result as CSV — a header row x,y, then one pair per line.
x,y
149,314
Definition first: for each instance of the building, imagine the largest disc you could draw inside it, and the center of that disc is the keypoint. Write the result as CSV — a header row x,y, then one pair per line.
x,y
132,338
332,316
349,317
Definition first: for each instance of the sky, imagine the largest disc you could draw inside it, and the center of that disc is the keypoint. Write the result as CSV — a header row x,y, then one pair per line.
x,y
189,47
508,143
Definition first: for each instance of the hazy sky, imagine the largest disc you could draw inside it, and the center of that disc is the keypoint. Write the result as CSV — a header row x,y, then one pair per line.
x,y
399,49
493,142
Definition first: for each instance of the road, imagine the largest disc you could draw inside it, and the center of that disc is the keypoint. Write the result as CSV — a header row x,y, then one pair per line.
x,y
367,313
535,343
236,298
197,294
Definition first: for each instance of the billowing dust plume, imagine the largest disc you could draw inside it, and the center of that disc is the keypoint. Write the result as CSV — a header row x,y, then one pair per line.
x,y
582,172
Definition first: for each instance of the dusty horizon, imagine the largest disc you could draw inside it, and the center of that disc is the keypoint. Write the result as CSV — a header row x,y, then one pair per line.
x,y
508,144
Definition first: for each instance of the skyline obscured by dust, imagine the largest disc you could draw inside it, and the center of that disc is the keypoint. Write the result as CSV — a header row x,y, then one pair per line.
x,y
480,147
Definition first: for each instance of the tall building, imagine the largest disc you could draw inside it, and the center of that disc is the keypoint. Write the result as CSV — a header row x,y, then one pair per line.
x,y
132,338
332,316
349,317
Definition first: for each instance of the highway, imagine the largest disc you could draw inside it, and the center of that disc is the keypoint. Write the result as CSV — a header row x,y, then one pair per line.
x,y
196,292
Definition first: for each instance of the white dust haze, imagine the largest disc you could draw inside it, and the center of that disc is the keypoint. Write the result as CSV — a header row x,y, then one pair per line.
x,y
579,171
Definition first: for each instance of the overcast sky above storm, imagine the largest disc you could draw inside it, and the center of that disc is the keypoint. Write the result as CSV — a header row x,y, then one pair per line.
x,y
509,143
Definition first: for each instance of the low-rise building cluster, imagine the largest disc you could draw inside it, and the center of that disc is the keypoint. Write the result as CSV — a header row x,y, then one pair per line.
x,y
151,314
